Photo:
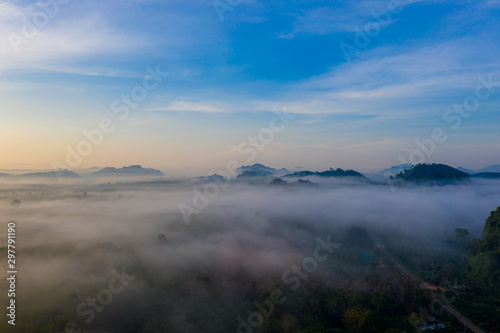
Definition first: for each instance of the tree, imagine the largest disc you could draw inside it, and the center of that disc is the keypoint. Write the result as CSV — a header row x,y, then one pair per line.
x,y
462,236
462,233
356,317
491,232
485,265
417,320
288,324
377,300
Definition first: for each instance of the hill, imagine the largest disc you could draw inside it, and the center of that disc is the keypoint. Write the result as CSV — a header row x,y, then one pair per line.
x,y
298,183
51,174
394,170
491,168
301,174
467,171
432,172
329,173
133,170
261,169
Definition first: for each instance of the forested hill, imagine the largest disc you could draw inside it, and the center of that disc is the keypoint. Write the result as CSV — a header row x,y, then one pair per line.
x,y
432,172
329,173
485,263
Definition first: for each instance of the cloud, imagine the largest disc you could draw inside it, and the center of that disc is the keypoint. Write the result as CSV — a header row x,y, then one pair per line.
x,y
323,21
190,106
58,41
383,80
344,17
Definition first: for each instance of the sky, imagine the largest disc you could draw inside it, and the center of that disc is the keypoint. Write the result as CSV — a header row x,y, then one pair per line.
x,y
365,84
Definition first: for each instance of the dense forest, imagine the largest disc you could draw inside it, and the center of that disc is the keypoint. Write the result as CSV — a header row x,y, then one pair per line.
x,y
471,269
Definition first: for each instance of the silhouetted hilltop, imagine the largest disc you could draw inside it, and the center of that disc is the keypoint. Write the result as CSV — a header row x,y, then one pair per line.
x,y
467,171
278,182
394,170
261,169
215,178
301,174
340,173
133,170
298,183
383,175
256,177
432,172
329,173
63,173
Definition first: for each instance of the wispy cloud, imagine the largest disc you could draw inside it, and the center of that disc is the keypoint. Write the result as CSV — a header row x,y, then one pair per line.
x,y
190,106
394,75
343,17
60,43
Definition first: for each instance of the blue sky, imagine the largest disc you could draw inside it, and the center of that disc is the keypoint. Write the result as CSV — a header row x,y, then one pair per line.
x,y
226,76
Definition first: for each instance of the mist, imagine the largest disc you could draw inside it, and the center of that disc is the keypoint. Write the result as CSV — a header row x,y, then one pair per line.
x,y
74,237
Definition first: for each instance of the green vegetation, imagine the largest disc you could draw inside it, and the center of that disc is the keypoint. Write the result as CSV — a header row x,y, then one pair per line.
x,y
431,172
460,264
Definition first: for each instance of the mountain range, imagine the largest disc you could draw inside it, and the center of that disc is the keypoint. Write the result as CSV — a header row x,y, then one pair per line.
x,y
255,171
133,170
258,169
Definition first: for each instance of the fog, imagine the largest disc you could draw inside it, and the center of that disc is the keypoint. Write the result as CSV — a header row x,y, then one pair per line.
x,y
72,235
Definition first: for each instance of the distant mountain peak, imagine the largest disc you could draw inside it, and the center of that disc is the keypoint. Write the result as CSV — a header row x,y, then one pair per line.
x,y
491,168
62,173
394,170
467,171
259,169
132,170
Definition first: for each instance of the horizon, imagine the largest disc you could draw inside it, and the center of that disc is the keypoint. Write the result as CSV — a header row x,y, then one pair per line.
x,y
169,174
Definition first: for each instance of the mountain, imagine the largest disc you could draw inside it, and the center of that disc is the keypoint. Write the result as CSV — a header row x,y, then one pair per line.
x,y
255,174
260,177
329,173
298,183
258,168
340,173
384,175
301,174
394,170
51,174
215,178
432,172
87,171
467,171
133,170
298,168
487,175
491,168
